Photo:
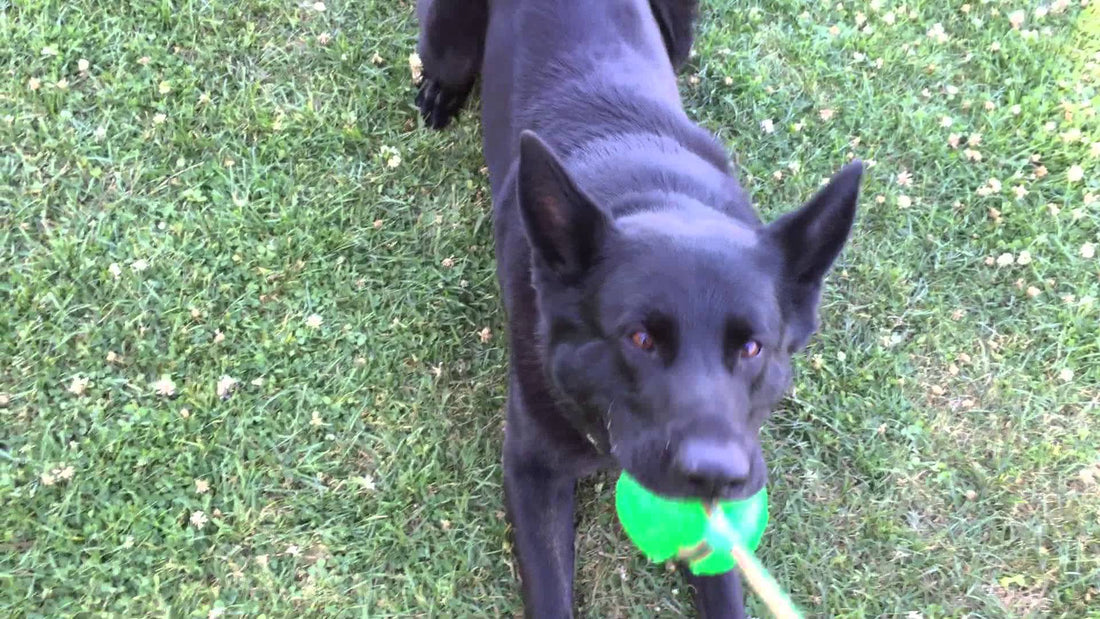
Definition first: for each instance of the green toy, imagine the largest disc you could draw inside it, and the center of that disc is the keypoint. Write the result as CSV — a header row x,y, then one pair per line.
x,y
710,539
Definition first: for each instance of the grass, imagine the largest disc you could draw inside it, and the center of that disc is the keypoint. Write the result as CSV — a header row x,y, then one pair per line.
x,y
244,289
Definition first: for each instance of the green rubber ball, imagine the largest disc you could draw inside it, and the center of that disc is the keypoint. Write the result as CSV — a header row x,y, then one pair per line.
x,y
665,529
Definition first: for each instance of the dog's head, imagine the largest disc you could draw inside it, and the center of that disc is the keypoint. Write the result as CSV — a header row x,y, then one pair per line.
x,y
674,333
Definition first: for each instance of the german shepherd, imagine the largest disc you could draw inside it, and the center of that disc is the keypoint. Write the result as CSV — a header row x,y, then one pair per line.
x,y
652,315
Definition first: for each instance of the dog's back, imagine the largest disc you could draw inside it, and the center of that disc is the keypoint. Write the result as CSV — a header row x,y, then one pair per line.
x,y
596,81
540,55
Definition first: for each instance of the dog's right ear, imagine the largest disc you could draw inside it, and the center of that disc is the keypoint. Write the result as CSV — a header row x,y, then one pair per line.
x,y
564,226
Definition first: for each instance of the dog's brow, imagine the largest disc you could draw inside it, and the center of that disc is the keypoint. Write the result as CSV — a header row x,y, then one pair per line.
x,y
755,324
747,324
707,224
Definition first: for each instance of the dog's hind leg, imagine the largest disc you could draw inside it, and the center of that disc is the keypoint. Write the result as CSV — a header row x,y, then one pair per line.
x,y
718,597
451,43
677,20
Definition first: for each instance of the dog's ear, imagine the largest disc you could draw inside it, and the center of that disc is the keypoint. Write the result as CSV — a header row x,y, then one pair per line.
x,y
565,228
810,239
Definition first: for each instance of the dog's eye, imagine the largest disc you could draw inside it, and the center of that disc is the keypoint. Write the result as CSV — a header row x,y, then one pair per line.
x,y
642,340
750,349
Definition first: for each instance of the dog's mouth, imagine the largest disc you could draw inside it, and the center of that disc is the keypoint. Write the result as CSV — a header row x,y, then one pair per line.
x,y
673,485
653,464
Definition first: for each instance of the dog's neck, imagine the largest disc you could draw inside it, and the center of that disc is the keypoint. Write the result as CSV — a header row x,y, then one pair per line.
x,y
643,144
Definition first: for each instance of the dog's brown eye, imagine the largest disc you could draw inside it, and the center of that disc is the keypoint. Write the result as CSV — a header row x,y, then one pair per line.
x,y
750,349
642,340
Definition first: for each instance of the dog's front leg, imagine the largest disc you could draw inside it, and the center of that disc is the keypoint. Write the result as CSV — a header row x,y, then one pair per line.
x,y
451,43
540,507
718,597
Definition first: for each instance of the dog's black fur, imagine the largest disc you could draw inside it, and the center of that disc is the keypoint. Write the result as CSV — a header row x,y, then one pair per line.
x,y
652,315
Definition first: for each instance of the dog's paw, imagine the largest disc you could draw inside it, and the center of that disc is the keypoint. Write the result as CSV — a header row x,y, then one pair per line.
x,y
439,104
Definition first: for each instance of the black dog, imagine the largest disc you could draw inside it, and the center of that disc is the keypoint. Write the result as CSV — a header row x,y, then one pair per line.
x,y
652,315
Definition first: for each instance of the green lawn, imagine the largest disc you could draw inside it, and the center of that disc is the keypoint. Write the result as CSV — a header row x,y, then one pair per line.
x,y
253,360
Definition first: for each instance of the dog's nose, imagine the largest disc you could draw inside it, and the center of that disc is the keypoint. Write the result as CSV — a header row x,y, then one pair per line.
x,y
713,465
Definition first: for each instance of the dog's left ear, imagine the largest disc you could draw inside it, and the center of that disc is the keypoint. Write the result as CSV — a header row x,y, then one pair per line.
x,y
810,240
